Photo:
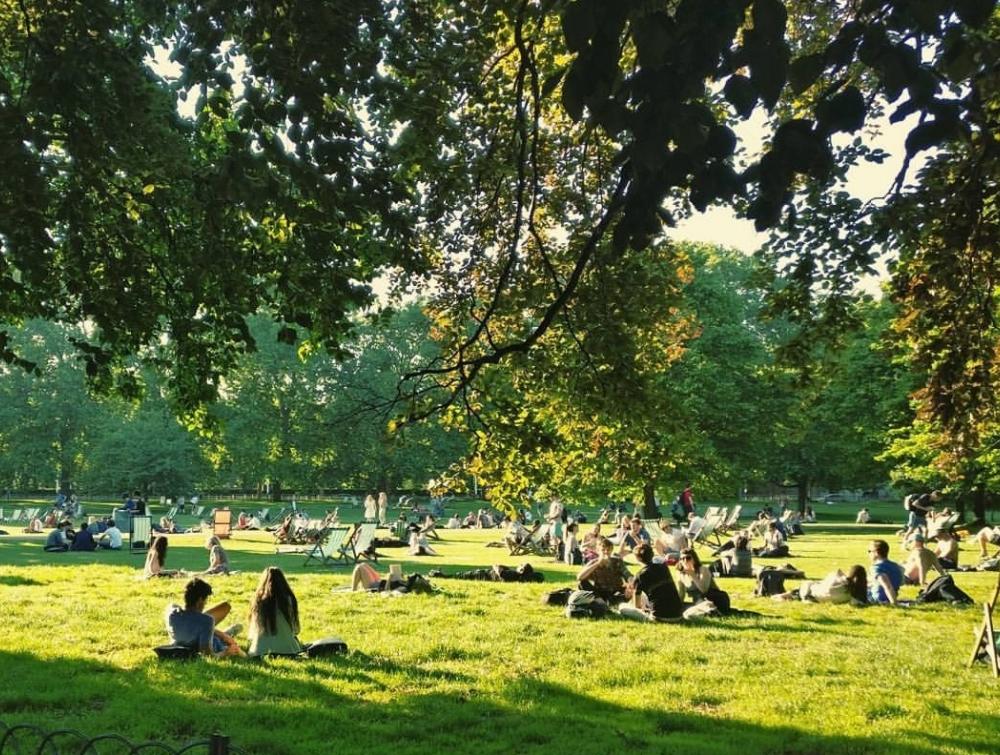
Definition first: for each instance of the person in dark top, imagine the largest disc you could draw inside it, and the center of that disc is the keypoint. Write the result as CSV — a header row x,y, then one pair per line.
x,y
654,594
83,540
496,573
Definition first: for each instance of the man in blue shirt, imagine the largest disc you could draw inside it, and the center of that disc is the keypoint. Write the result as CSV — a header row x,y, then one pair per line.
x,y
194,625
886,576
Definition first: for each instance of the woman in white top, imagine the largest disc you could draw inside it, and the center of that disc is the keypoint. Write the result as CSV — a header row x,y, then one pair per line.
x,y
218,559
371,508
383,508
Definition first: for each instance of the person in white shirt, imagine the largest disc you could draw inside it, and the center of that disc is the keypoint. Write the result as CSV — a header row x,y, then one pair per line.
x,y
863,517
111,538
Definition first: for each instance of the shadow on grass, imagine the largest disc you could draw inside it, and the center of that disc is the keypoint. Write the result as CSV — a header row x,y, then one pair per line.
x,y
361,704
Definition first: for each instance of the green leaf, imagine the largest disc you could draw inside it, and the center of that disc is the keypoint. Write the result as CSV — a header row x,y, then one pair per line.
x,y
579,25
844,112
974,12
804,71
741,94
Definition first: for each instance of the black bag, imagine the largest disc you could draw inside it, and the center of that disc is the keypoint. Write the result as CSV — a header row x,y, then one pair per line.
x,y
944,589
176,652
325,646
557,597
583,604
720,598
770,582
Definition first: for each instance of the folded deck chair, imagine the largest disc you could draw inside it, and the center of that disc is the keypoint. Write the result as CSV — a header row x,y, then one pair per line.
x,y
329,548
222,523
140,531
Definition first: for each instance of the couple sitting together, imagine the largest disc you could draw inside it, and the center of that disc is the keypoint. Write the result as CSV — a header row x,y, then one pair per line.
x,y
273,623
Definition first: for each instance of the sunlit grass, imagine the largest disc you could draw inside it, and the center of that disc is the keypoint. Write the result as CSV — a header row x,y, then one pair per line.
x,y
481,667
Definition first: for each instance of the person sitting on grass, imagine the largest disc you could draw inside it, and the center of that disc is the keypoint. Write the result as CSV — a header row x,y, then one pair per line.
x,y
886,576
736,561
58,540
985,537
836,587
194,626
273,623
590,549
696,580
947,550
919,563
156,558
571,548
454,523
633,537
774,543
51,519
607,576
653,594
111,538
864,517
418,543
429,528
34,526
218,559
496,573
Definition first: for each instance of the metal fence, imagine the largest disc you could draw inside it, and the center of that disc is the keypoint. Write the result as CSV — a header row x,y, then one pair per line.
x,y
21,739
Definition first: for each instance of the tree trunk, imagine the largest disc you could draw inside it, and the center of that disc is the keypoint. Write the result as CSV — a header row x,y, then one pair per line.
x,y
649,510
275,490
979,503
803,494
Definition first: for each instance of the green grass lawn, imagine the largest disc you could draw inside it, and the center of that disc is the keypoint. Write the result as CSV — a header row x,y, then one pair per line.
x,y
486,668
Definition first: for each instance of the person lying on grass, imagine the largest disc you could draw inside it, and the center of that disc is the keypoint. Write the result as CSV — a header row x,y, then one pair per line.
x,y
194,625
218,559
367,579
919,563
696,580
273,623
886,576
985,537
496,573
836,587
156,558
607,576
652,591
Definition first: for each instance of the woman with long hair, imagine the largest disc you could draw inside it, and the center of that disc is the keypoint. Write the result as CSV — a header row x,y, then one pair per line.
x,y
274,616
218,559
697,580
156,557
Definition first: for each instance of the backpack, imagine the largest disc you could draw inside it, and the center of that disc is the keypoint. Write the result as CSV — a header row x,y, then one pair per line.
x,y
944,589
770,582
583,604
557,597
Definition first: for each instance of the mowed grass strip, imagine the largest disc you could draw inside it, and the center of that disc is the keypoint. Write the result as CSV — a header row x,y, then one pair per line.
x,y
483,667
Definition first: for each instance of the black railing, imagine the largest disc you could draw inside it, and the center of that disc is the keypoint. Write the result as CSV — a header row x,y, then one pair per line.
x,y
21,739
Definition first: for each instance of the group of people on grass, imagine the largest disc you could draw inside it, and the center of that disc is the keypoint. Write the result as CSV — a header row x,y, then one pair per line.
x,y
89,536
156,559
272,620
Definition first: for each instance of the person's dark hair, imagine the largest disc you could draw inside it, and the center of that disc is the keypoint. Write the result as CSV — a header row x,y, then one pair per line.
x,y
857,583
881,548
694,557
572,527
644,552
274,594
159,545
195,590
742,542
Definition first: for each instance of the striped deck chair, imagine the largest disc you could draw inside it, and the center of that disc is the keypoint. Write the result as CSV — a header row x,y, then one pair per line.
x,y
140,532
329,548
537,544
732,521
361,544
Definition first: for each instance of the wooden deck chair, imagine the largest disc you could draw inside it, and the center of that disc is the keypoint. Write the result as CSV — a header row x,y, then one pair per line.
x,y
140,532
941,524
222,522
16,516
707,532
711,511
653,530
361,544
172,514
197,511
986,639
329,548
262,515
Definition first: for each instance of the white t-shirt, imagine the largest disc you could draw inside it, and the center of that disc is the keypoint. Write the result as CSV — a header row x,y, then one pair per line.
x,y
114,536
